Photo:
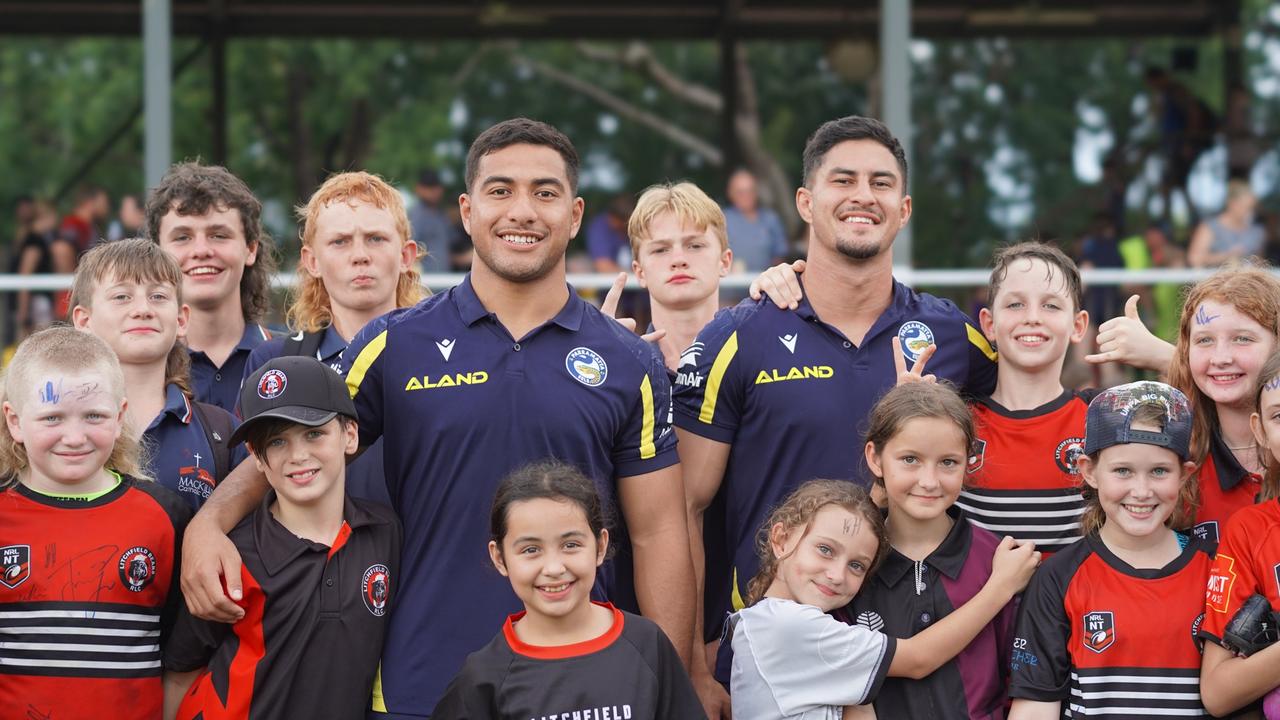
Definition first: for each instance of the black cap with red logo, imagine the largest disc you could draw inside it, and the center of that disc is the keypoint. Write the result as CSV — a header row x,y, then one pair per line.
x,y
297,388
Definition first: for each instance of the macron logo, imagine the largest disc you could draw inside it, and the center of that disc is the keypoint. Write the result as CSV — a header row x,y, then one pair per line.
x,y
446,347
789,342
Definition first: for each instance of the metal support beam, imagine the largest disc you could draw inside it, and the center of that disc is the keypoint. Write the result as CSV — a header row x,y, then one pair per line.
x,y
218,79
895,84
157,74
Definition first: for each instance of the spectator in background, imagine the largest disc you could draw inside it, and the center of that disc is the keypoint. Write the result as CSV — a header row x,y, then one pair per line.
x,y
1100,249
1230,235
607,241
755,232
32,310
1166,297
24,210
130,220
82,227
1187,128
430,226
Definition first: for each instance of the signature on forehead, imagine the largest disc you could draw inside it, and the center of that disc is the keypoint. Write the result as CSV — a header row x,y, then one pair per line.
x,y
1272,384
852,525
1203,317
83,390
50,394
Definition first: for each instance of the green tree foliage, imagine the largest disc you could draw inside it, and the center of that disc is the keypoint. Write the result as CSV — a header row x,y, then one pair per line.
x,y
996,120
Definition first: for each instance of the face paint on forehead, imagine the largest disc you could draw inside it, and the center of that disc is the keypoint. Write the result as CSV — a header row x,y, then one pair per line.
x,y
1203,317
51,392
1272,384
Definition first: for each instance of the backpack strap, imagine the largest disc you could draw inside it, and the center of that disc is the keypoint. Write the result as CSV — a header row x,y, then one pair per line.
x,y
303,343
217,425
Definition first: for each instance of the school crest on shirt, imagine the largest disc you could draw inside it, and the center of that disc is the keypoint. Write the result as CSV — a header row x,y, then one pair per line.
x,y
977,454
137,568
1067,453
1099,630
914,336
586,366
375,588
15,565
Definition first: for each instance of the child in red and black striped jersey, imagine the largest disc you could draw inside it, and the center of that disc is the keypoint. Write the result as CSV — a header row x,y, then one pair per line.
x,y
565,655
89,546
1022,477
1247,563
1107,626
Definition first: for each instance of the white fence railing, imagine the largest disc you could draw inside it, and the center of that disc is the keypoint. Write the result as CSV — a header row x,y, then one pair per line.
x,y
960,277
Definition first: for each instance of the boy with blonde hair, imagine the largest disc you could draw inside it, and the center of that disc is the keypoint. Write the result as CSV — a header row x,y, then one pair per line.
x,y
681,250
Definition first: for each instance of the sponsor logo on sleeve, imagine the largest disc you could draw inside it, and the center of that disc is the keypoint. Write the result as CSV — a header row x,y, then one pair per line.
x,y
1222,577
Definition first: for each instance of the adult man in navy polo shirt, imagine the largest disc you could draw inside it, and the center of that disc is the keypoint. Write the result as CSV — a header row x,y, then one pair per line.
x,y
508,367
766,399
208,220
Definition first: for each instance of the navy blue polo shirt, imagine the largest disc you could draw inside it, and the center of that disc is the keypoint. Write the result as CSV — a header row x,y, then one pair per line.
x,y
459,403
179,454
221,385
792,395
365,478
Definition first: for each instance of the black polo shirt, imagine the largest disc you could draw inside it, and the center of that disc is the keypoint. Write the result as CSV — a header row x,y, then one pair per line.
x,y
315,615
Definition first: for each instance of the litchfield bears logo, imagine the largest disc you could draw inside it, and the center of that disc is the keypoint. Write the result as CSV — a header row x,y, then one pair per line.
x,y
375,588
586,366
914,336
137,568
1067,453
1099,630
271,384
15,565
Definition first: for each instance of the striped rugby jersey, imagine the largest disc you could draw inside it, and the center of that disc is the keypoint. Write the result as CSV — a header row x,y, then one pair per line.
x,y
1022,480
88,591
1111,641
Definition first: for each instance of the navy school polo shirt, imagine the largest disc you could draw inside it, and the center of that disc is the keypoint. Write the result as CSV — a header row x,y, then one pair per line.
x,y
178,449
221,385
315,615
792,394
459,403
365,478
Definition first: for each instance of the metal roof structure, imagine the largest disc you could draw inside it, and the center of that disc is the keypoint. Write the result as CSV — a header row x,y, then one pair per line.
x,y
681,19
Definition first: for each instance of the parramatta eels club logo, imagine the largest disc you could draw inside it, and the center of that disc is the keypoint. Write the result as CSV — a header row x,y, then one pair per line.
x,y
586,366
914,337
